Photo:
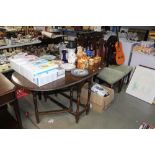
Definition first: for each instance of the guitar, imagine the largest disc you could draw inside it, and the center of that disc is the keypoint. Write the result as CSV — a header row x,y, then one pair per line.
x,y
120,57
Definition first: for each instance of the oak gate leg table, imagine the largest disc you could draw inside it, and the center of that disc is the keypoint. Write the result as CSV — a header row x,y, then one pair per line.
x,y
69,82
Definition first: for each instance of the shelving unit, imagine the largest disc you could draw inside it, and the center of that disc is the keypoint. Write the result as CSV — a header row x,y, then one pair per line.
x,y
20,44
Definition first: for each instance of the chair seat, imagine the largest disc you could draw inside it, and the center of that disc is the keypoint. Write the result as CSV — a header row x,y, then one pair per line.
x,y
110,75
123,68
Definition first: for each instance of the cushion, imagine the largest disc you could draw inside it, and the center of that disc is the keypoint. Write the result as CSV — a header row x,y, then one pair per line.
x,y
110,75
123,68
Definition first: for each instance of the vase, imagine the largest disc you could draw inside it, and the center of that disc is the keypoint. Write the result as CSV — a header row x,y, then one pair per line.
x,y
71,56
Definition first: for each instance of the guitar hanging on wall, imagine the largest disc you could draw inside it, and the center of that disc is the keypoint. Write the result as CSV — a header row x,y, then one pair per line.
x,y
120,58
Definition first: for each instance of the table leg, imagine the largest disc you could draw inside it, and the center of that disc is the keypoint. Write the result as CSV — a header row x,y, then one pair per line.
x,y
78,103
71,100
36,106
88,100
45,96
17,113
39,95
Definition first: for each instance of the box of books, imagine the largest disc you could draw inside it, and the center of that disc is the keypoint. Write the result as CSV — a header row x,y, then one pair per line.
x,y
101,96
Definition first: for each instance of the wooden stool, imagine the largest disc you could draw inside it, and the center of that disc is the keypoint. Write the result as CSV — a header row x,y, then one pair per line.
x,y
7,95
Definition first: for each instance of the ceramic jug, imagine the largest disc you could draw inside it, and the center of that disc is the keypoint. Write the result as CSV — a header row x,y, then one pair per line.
x,y
71,56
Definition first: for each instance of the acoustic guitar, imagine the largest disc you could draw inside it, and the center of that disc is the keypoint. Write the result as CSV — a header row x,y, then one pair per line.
x,y
120,57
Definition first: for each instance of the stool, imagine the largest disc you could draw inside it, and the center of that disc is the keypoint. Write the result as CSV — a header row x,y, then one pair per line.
x,y
111,77
123,68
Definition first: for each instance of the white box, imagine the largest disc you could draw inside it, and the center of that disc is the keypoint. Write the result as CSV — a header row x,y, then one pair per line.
x,y
38,71
36,68
45,78
16,64
20,59
48,77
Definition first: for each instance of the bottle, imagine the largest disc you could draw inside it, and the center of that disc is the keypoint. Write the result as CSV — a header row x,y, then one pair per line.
x,y
97,52
92,49
64,56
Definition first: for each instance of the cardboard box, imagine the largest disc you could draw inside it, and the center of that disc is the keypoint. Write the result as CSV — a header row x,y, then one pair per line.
x,y
69,27
86,27
92,28
99,103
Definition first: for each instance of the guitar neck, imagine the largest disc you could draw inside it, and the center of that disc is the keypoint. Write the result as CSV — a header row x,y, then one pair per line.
x,y
117,36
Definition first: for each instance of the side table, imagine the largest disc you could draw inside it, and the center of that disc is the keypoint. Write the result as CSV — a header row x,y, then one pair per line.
x,y
7,95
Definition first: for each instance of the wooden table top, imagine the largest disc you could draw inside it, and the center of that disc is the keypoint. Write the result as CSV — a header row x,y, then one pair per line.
x,y
67,81
6,86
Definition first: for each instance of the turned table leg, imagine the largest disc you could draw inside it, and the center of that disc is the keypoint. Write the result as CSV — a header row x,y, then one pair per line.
x,y
39,95
36,106
17,113
78,103
45,96
71,100
89,94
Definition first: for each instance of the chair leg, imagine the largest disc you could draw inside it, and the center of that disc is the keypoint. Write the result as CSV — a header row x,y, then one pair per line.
x,y
100,81
120,85
111,86
94,78
128,77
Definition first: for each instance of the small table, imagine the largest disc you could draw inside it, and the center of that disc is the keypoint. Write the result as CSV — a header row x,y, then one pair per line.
x,y
7,95
69,82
